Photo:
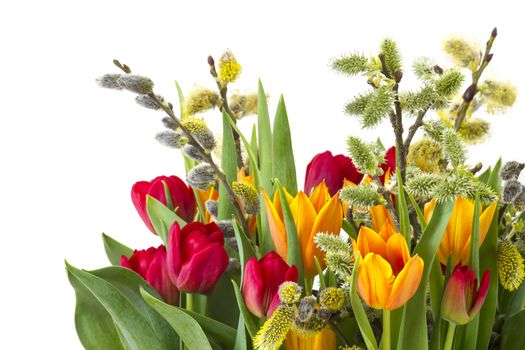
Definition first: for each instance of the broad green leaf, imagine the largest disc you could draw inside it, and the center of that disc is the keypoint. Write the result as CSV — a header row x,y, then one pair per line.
x,y
186,327
514,302
294,246
512,335
241,341
112,294
222,300
249,320
359,311
348,228
436,287
229,167
471,332
282,156
214,329
402,211
420,217
413,333
488,253
161,218
115,250
494,180
484,177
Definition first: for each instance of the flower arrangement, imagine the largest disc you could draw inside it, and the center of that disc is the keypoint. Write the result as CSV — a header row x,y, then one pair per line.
x,y
405,247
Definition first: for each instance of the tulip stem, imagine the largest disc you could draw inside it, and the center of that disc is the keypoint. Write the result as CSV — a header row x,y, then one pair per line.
x,y
339,333
386,330
450,336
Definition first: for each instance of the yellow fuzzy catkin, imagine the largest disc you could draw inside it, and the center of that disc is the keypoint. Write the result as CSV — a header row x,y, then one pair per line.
x,y
511,270
332,298
200,100
274,330
289,292
464,53
427,155
498,95
229,68
474,130
248,195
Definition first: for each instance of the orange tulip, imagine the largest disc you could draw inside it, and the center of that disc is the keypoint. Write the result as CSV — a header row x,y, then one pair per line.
x,y
456,240
204,195
325,340
318,212
387,276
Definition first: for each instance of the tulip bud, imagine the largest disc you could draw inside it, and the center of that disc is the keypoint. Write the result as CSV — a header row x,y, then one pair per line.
x,y
261,282
170,191
136,83
462,299
150,264
196,257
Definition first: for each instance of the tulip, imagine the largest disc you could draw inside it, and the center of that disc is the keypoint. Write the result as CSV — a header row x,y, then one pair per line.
x,y
325,340
150,264
389,166
456,239
170,191
462,299
318,212
333,170
196,256
261,281
387,276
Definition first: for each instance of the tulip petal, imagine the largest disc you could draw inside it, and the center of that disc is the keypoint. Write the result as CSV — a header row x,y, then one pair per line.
x,y
203,270
397,253
485,220
375,280
429,210
406,283
369,241
320,196
174,258
483,291
277,228
253,287
329,220
380,216
304,215
138,197
453,305
387,230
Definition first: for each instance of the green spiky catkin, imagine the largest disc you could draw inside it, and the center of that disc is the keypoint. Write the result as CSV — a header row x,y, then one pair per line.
x,y
449,83
378,107
463,183
350,65
340,263
362,155
413,102
434,129
392,56
424,68
362,196
329,243
423,186
453,148
357,106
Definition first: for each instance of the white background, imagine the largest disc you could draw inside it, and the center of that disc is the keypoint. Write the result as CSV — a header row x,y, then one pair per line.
x,y
71,151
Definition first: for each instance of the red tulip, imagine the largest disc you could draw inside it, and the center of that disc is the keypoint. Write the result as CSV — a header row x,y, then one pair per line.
x,y
390,162
196,256
333,170
462,299
180,197
261,282
150,264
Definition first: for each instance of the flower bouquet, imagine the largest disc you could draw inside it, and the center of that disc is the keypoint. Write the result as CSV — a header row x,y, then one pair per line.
x,y
402,247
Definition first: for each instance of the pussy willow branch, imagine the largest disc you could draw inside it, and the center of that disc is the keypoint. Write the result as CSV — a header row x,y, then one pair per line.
x,y
339,332
414,128
223,91
472,90
207,157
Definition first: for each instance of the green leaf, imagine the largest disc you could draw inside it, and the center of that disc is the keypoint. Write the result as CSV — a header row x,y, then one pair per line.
x,y
420,217
109,307
241,341
294,246
265,141
246,249
436,287
214,329
222,299
515,301
413,333
488,253
348,228
115,250
322,282
494,180
359,311
181,98
249,320
402,209
484,177
282,156
471,332
229,167
161,218
512,335
186,327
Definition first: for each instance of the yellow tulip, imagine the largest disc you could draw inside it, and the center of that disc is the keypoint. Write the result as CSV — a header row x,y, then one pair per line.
x,y
387,276
456,239
325,340
318,212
